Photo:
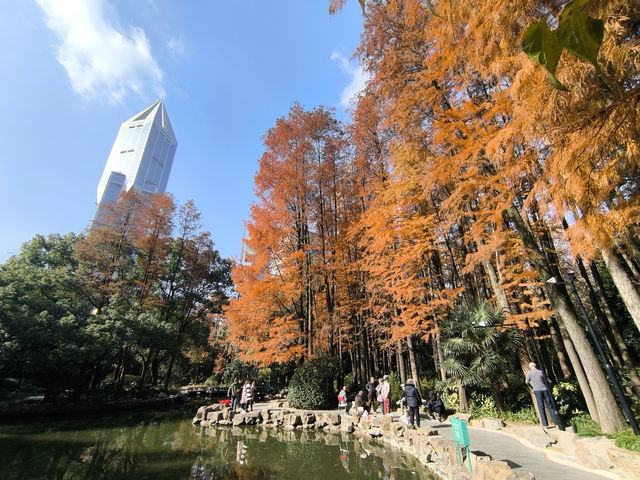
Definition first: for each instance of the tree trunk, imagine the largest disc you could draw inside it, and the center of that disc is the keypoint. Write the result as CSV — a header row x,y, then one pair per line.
x,y
155,364
615,331
436,359
558,342
172,360
501,296
630,265
443,373
412,363
354,368
366,357
462,397
400,361
611,419
601,322
625,286
503,303
145,366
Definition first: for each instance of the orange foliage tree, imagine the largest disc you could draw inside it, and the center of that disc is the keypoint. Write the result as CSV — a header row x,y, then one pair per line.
x,y
463,175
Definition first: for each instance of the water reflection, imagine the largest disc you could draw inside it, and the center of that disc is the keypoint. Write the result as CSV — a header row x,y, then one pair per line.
x,y
165,447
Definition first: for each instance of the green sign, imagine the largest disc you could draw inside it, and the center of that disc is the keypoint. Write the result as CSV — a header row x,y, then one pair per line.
x,y
460,433
461,437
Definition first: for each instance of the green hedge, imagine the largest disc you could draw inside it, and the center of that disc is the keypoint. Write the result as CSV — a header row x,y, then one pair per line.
x,y
312,384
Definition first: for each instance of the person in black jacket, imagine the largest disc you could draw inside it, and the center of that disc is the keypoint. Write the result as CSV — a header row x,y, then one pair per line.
x,y
371,395
435,407
413,399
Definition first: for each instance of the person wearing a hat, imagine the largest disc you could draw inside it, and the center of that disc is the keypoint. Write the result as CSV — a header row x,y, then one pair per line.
x,y
384,392
413,399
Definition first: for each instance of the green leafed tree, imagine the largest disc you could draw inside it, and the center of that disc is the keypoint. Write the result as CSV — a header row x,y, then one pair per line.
x,y
45,334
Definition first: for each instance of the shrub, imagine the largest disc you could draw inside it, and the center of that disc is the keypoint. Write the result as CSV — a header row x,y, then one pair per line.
x,y
131,383
524,415
448,391
627,439
395,390
568,398
264,375
349,382
312,384
482,406
585,426
107,384
427,385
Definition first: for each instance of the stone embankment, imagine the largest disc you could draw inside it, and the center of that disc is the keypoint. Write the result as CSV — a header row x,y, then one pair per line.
x,y
437,453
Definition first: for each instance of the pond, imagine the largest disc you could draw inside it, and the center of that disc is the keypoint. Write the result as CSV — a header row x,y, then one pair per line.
x,y
166,446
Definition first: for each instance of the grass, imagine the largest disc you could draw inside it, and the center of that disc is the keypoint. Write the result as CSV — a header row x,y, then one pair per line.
x,y
585,426
524,415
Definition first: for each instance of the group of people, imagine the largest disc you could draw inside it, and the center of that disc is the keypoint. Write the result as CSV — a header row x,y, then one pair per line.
x,y
412,400
241,394
378,393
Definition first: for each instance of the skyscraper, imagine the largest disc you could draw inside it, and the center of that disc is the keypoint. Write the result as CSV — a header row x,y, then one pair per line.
x,y
141,156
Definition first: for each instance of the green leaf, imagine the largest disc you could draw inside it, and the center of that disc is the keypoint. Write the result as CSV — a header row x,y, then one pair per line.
x,y
542,45
555,83
579,33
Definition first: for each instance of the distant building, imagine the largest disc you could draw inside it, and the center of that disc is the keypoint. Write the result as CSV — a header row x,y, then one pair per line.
x,y
246,253
141,156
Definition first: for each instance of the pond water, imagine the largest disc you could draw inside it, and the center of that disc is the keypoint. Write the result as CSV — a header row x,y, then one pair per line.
x,y
166,446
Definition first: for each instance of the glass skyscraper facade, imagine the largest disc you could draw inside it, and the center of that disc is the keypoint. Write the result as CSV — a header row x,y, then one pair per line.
x,y
141,156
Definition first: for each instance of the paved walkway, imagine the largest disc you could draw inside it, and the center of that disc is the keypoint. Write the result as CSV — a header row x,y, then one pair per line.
x,y
520,457
503,446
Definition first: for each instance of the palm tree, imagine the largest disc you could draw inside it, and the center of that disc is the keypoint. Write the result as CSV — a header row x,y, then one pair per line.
x,y
477,350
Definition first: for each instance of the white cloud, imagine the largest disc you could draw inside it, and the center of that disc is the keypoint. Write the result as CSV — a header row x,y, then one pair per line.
x,y
359,79
99,59
176,47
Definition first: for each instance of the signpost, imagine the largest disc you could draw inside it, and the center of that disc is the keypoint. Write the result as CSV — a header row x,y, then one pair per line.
x,y
461,437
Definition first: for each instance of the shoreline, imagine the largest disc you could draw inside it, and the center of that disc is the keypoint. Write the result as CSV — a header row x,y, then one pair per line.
x,y
435,452
44,410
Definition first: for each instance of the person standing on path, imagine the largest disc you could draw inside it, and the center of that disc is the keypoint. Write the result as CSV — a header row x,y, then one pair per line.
x,y
413,399
536,380
250,389
243,397
371,395
379,396
231,393
238,394
385,391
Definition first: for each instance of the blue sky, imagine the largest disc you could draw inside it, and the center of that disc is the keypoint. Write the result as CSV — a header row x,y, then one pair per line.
x,y
74,70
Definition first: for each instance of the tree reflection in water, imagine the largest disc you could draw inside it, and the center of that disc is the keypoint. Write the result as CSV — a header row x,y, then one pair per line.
x,y
168,447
